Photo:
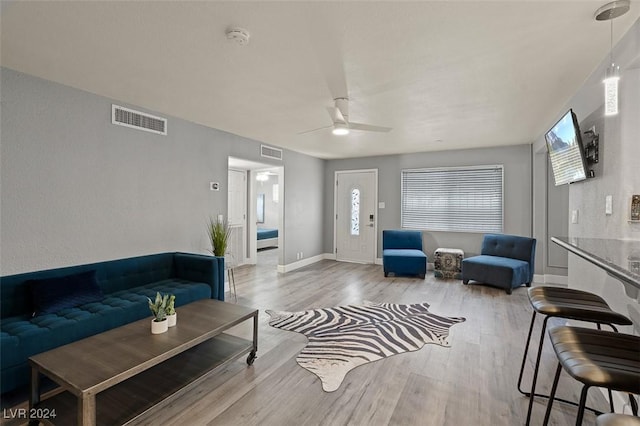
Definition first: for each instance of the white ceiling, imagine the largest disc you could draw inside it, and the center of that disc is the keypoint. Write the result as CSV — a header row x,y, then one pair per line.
x,y
442,74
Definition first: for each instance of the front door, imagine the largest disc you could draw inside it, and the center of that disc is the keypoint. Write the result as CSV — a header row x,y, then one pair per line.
x,y
355,220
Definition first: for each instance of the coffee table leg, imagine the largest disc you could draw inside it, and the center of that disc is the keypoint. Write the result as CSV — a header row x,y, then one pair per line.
x,y
252,354
34,394
87,410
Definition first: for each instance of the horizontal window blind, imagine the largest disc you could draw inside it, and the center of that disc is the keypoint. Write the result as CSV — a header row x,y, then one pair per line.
x,y
463,199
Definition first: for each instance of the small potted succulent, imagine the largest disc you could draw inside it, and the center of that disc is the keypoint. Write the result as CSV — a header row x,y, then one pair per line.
x,y
170,311
159,323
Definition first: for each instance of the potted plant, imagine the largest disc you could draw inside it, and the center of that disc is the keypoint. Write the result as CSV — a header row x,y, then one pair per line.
x,y
158,309
170,311
219,232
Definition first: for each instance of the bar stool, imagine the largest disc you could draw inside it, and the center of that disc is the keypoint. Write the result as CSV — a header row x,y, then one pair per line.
x,y
595,358
561,302
611,419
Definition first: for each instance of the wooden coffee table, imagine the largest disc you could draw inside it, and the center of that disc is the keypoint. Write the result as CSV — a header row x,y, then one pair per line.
x,y
116,376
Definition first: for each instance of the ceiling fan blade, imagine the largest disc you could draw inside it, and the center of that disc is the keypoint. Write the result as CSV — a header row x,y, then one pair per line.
x,y
326,44
368,127
315,130
336,115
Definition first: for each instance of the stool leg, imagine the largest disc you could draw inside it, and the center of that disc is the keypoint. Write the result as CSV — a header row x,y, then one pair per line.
x,y
535,371
552,395
583,401
524,357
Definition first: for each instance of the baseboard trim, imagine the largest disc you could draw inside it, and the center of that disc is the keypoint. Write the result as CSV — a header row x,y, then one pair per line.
x,y
556,279
283,269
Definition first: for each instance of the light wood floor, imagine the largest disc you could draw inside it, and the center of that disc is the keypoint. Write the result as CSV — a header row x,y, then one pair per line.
x,y
471,383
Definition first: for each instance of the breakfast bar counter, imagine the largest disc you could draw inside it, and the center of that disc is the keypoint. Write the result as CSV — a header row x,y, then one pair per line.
x,y
619,258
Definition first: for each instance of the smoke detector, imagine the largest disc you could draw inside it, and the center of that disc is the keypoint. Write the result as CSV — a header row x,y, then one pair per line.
x,y
239,35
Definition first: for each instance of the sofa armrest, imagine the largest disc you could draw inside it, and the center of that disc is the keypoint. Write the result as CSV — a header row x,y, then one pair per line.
x,y
201,268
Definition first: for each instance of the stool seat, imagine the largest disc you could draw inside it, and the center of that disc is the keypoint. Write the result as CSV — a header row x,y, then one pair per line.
x,y
599,358
595,358
611,419
574,304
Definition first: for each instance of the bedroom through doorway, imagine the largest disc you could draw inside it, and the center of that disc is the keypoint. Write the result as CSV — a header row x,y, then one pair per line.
x,y
263,241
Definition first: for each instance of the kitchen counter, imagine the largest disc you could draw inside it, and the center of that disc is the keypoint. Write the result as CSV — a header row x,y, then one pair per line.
x,y
619,258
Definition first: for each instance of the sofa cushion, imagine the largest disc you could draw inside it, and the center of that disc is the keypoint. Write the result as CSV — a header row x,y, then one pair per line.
x,y
51,295
28,336
403,253
501,270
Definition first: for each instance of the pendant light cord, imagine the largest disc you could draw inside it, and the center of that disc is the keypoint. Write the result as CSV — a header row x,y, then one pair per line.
x,y
611,43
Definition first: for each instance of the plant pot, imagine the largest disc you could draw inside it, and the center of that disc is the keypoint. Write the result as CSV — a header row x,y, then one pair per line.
x,y
172,319
158,327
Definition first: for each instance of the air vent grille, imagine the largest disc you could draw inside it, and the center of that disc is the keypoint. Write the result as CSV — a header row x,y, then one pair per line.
x,y
270,152
138,120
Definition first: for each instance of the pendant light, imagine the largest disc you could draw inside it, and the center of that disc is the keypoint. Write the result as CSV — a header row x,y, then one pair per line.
x,y
609,12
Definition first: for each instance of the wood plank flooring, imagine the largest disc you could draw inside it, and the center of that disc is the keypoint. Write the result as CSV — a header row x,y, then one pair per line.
x,y
473,382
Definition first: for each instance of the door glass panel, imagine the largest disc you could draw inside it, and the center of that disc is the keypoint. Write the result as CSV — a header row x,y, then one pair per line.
x,y
355,212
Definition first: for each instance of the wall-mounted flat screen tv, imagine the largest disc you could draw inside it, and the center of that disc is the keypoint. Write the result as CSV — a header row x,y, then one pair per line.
x,y
565,150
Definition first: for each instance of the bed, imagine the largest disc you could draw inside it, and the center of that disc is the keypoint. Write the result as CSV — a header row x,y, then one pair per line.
x,y
267,237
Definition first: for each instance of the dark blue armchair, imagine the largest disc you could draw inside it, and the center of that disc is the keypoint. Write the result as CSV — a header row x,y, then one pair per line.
x,y
402,253
505,261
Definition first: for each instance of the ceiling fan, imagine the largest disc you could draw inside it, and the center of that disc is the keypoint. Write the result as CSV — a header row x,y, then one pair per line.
x,y
339,114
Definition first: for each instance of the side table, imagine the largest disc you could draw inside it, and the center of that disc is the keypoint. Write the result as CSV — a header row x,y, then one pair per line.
x,y
448,263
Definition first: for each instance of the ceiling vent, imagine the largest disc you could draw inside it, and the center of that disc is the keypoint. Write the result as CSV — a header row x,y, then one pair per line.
x,y
270,152
138,120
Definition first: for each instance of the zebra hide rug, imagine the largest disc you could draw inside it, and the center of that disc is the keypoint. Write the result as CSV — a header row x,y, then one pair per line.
x,y
345,337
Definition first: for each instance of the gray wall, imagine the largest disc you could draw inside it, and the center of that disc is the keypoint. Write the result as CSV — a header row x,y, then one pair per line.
x,y
517,191
617,174
77,189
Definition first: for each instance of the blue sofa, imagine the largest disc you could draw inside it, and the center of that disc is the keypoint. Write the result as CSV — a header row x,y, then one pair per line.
x,y
505,261
115,293
402,253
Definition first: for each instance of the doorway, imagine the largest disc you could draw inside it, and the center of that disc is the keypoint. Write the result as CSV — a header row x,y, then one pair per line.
x,y
355,219
264,208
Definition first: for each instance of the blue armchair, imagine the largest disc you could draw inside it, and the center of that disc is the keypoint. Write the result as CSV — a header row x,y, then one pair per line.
x,y
402,253
505,261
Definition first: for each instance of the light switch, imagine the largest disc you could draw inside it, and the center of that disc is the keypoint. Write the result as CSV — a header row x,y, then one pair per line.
x,y
608,205
574,216
381,205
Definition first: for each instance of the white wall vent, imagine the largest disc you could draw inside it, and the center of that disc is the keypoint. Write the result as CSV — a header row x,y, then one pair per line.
x,y
271,152
138,120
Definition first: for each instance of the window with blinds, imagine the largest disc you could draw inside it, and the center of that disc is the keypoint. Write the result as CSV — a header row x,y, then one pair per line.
x,y
462,199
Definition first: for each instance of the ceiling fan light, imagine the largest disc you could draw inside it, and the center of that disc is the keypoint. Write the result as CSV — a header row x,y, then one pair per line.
x,y
340,129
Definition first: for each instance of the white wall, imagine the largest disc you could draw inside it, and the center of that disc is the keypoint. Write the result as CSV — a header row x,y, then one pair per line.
x,y
271,208
77,189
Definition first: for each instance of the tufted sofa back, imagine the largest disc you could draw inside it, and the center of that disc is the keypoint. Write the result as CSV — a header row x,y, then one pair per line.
x,y
112,276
